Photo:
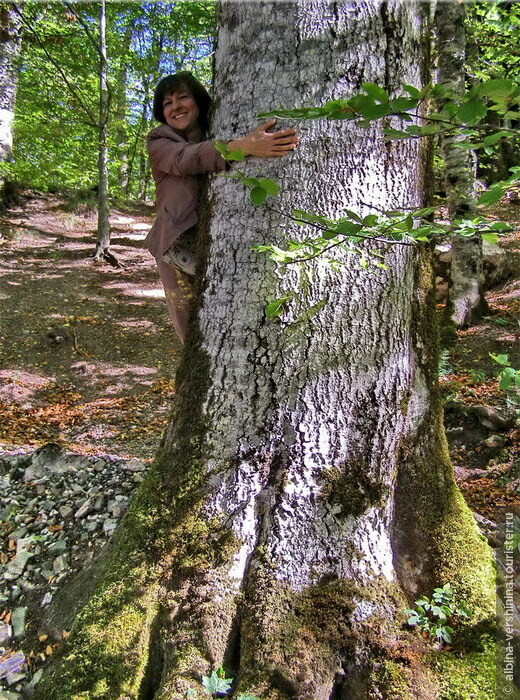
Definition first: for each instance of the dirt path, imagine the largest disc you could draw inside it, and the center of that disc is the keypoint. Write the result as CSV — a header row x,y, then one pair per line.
x,y
88,354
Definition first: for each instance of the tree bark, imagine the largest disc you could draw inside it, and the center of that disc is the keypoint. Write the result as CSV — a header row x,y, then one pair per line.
x,y
10,42
466,303
303,494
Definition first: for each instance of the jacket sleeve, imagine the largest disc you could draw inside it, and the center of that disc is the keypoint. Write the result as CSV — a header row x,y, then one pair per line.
x,y
180,158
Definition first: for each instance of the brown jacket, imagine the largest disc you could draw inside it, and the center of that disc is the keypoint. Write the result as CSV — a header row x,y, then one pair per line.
x,y
177,166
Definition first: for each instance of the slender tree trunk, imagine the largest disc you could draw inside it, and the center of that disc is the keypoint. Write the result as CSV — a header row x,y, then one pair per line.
x,y
103,231
303,491
121,116
10,41
466,302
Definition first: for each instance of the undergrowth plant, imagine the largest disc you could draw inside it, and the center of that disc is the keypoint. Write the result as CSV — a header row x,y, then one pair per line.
x,y
432,615
509,378
217,685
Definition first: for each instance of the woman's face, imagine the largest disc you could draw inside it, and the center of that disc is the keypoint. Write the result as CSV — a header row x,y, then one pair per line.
x,y
181,112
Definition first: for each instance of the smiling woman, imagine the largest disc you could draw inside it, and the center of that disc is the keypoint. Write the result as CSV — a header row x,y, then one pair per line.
x,y
179,154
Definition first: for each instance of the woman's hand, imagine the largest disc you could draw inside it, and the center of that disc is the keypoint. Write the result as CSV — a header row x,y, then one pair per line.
x,y
264,144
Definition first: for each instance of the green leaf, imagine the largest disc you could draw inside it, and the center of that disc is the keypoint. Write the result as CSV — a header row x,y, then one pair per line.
x,y
492,195
258,195
412,91
471,112
227,153
276,307
500,359
490,237
506,378
375,91
214,684
270,186
401,104
347,228
370,220
497,89
376,111
493,138
396,134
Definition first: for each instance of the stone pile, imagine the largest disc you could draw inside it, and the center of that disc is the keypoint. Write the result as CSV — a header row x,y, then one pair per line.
x,y
57,510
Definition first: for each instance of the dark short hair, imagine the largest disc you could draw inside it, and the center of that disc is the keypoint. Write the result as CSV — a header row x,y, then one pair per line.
x,y
182,81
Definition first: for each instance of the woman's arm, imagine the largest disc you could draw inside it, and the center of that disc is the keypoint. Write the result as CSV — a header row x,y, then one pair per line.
x,y
265,144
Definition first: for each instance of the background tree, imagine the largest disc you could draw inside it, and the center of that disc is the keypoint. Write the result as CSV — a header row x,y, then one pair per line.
x,y
492,52
466,302
303,491
9,51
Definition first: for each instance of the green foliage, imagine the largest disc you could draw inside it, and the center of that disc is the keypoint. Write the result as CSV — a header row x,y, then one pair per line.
x,y
432,615
509,378
259,188
217,685
390,227
459,113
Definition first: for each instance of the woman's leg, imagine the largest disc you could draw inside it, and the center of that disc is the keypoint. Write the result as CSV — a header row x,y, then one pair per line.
x,y
178,289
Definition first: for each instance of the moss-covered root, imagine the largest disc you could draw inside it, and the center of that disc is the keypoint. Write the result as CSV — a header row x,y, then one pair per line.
x,y
332,639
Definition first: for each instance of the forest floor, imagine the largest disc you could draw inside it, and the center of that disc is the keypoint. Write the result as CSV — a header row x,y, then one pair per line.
x,y
88,361
89,355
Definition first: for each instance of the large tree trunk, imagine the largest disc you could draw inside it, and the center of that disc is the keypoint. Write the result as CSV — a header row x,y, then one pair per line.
x,y
10,39
466,302
303,492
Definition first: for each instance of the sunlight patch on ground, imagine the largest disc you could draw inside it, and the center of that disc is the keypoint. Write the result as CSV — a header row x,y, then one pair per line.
x,y
135,291
18,386
122,220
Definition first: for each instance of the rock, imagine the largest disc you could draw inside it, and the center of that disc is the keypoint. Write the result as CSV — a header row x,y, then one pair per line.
x,y
11,664
18,618
57,547
109,526
16,566
496,264
47,598
18,534
117,511
14,678
495,441
83,510
60,564
496,267
34,681
133,465
66,511
6,632
8,695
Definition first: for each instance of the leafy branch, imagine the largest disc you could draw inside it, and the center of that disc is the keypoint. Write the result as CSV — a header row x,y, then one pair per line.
x,y
459,114
462,114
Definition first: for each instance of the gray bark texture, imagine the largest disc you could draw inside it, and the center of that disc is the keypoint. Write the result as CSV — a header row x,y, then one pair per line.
x,y
303,495
10,41
466,302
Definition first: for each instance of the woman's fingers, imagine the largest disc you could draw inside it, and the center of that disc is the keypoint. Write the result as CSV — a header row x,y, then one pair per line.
x,y
267,125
